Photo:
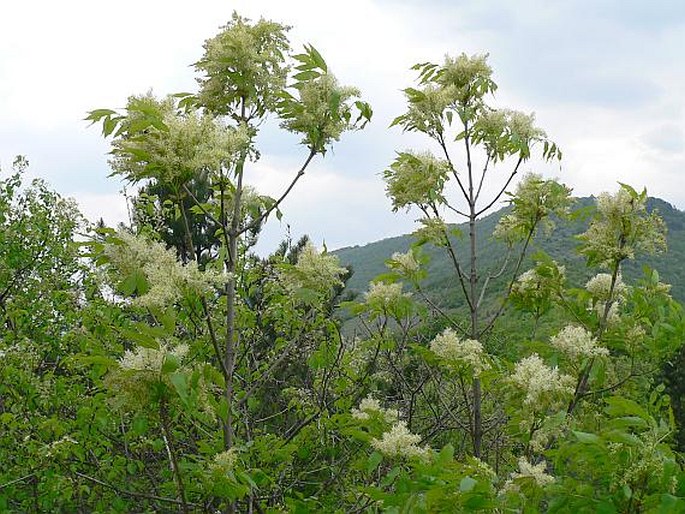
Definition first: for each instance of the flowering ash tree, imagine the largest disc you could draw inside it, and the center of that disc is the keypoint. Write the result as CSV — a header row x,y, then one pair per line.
x,y
512,415
247,74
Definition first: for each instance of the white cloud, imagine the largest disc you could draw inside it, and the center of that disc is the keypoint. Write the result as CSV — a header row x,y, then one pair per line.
x,y
326,205
111,207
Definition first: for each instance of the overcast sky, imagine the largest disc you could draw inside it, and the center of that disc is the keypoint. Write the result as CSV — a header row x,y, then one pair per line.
x,y
605,78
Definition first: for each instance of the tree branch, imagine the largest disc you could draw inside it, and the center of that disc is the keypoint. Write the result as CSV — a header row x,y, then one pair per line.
x,y
275,205
134,494
441,141
504,188
493,277
482,177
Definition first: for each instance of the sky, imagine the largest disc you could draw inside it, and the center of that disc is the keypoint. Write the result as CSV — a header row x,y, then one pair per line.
x,y
604,77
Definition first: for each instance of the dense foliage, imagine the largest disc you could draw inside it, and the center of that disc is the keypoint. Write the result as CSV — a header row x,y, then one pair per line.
x,y
163,367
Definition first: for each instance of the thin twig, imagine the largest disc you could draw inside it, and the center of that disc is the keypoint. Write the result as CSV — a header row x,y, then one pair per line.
x,y
275,205
504,188
17,480
134,494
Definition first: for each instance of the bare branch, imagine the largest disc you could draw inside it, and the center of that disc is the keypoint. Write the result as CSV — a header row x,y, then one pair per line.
x,y
522,255
504,188
134,494
275,205
482,177
441,141
494,277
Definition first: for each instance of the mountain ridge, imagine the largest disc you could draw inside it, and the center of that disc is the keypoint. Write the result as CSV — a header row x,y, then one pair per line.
x,y
367,261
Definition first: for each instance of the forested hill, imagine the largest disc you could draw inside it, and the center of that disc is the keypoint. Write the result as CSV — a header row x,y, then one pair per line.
x,y
368,261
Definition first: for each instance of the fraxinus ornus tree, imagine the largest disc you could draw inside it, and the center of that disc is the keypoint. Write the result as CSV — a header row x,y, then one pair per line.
x,y
247,75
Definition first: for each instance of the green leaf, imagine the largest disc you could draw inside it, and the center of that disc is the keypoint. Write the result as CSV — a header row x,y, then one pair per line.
x,y
390,477
446,455
466,484
619,406
143,337
99,360
97,114
587,438
171,363
139,425
245,478
178,380
134,283
307,75
316,57
373,461
670,504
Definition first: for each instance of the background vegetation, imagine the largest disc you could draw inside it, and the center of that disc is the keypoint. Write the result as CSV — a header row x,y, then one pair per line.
x,y
163,367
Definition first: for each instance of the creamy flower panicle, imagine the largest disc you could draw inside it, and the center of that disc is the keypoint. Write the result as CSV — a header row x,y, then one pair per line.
x,y
382,297
540,383
535,200
576,342
136,380
538,472
369,406
167,278
433,230
314,270
416,179
533,284
400,442
150,359
623,227
599,287
404,263
450,347
224,462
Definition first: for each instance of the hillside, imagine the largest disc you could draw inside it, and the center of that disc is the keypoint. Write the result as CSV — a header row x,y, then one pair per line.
x,y
368,261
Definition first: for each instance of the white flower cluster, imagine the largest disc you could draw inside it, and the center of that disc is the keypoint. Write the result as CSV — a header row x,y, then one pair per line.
x,y
506,229
135,383
540,382
543,436
536,199
482,467
369,406
55,446
623,227
599,287
150,359
532,284
167,278
449,347
404,263
528,280
400,442
298,396
433,231
416,178
620,203
316,271
225,462
382,296
576,343
315,119
357,355
537,472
